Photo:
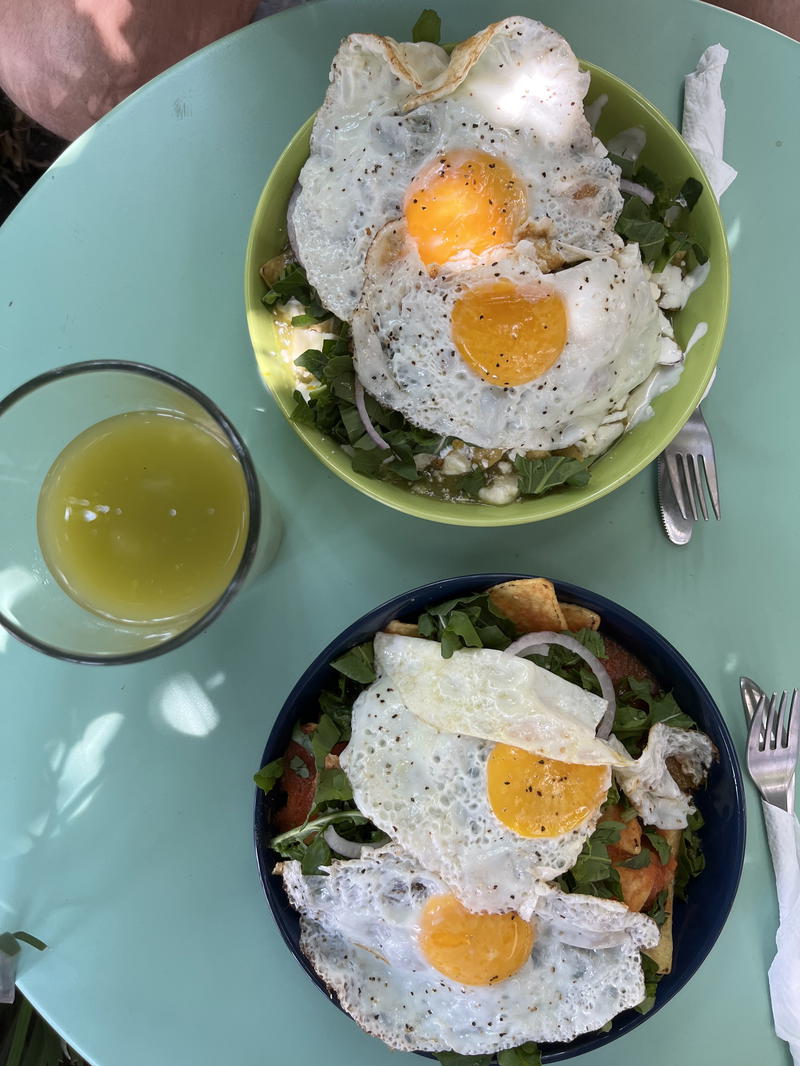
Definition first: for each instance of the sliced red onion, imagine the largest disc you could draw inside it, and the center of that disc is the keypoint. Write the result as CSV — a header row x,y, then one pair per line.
x,y
361,407
637,190
350,849
538,644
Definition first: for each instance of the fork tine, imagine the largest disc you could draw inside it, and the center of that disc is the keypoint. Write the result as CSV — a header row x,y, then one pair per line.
x,y
710,468
774,731
685,470
793,727
755,734
698,484
671,460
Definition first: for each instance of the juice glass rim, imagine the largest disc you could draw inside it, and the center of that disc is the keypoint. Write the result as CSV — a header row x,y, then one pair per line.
x,y
242,453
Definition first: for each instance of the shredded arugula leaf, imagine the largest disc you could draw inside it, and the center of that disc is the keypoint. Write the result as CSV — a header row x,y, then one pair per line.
x,y
525,1055
358,663
651,979
538,476
569,665
659,844
268,776
691,860
467,622
638,708
593,873
428,27
323,739
658,911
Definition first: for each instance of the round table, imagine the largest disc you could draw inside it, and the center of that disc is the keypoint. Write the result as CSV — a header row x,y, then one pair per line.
x,y
126,793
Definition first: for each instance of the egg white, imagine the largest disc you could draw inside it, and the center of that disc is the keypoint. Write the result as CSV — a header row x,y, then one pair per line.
x,y
405,352
427,789
514,91
359,928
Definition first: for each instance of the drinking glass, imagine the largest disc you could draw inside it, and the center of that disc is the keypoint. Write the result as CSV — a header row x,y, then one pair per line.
x,y
37,421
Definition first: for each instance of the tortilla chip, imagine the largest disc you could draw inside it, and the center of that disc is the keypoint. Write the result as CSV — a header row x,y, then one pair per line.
x,y
531,605
579,617
402,629
661,954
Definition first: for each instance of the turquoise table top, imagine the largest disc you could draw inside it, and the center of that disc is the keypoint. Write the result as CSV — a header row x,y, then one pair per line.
x,y
126,793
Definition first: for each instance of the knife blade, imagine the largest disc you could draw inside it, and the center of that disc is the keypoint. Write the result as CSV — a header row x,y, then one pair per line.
x,y
751,694
677,528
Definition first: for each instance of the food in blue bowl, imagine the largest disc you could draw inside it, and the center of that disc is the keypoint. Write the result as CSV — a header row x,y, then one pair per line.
x,y
496,812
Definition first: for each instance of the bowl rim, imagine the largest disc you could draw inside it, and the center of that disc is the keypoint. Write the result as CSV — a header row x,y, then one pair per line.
x,y
447,588
478,515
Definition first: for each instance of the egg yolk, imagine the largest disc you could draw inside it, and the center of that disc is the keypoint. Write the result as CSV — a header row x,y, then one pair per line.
x,y
463,202
473,949
539,797
506,335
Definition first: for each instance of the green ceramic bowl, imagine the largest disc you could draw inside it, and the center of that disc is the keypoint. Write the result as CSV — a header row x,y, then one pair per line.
x,y
668,155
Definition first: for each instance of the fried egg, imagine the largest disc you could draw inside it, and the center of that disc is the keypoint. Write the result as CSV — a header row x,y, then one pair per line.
x,y
416,968
504,355
650,787
483,766
474,152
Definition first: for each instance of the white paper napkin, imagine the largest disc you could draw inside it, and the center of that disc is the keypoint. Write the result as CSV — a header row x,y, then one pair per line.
x,y
783,835
704,117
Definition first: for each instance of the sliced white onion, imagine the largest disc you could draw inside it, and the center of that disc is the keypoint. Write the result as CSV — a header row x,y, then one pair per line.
x,y
537,643
350,849
361,407
637,190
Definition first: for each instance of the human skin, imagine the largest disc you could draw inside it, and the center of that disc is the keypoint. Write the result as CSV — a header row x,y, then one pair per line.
x,y
65,63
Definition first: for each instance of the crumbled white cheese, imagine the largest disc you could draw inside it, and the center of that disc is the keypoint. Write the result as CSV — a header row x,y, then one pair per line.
x,y
675,289
457,461
422,460
503,489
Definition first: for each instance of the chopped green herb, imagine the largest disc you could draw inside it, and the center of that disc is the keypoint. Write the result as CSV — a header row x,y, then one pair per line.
x,y
660,228
332,785
524,1055
358,663
428,27
660,845
651,979
638,708
658,912
294,285
637,861
323,739
467,622
537,476
269,775
691,861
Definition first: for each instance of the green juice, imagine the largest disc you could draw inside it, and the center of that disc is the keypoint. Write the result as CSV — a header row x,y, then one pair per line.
x,y
143,517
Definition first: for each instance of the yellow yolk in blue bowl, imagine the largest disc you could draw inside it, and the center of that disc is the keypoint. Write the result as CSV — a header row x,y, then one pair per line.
x,y
473,948
539,797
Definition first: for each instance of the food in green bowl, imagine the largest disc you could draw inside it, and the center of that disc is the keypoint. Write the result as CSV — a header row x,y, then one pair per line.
x,y
476,337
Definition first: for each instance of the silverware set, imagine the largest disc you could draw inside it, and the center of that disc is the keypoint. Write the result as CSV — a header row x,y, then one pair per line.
x,y
687,480
773,742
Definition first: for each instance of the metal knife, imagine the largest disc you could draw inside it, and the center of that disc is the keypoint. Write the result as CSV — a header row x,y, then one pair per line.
x,y
751,694
677,528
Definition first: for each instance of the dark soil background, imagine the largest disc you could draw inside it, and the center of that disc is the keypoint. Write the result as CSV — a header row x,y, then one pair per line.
x,y
25,151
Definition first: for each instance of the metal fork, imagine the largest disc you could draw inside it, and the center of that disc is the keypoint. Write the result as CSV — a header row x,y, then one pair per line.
x,y
772,748
688,458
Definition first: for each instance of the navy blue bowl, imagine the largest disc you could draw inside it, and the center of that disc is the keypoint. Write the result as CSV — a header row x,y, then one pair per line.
x,y
696,923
